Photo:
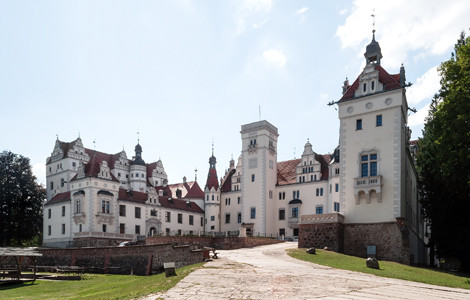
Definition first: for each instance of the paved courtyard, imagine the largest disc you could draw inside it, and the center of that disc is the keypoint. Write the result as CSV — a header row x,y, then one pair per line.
x,y
267,272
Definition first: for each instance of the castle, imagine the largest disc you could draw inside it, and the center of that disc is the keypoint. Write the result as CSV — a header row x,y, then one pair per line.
x,y
361,197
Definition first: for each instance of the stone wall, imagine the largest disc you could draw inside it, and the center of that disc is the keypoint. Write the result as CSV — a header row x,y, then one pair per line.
x,y
322,235
222,243
391,242
138,260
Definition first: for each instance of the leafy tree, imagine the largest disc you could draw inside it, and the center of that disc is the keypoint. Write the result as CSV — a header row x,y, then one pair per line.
x,y
444,159
21,200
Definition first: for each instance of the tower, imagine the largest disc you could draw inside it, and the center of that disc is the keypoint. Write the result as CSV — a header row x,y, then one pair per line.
x,y
138,171
259,170
375,170
212,197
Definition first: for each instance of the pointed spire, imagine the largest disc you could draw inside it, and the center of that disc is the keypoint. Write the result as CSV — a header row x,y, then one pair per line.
x,y
373,52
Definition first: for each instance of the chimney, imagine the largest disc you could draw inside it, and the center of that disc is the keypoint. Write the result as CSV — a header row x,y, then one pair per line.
x,y
184,179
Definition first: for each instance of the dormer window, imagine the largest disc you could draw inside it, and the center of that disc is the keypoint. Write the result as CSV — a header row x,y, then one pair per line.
x,y
372,85
364,87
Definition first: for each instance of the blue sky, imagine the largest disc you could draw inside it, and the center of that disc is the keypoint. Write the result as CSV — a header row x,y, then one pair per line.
x,y
186,73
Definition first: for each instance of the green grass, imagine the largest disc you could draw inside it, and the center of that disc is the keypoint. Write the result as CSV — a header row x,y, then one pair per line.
x,y
387,269
94,286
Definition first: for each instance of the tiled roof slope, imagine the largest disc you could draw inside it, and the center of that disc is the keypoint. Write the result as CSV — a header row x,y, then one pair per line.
x,y
132,196
286,170
61,197
179,204
212,181
390,82
195,192
227,185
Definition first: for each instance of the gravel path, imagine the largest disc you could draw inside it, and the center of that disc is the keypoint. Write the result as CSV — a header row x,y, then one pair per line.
x,y
267,272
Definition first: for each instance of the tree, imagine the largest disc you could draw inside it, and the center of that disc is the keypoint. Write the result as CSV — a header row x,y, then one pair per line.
x,y
21,200
443,161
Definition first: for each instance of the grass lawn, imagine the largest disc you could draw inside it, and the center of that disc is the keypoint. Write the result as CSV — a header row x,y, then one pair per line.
x,y
387,269
96,286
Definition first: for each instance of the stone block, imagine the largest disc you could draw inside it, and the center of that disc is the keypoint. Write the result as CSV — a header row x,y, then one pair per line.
x,y
169,269
311,250
372,263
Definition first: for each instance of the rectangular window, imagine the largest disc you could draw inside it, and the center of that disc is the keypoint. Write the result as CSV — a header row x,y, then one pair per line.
x,y
364,168
321,191
212,227
252,177
52,185
239,218
167,216
336,208
80,228
180,218
227,218
122,210
359,124
317,192
378,120
295,212
63,228
282,214
122,228
212,218
153,213
238,200
63,211
373,168
282,232
179,231
372,85
104,227
49,230
364,87
49,213
137,212
202,221
62,182
253,213
167,231
191,220
137,229
336,187
319,210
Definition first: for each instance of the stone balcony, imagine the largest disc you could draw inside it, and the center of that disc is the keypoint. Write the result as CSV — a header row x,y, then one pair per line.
x,y
323,218
367,188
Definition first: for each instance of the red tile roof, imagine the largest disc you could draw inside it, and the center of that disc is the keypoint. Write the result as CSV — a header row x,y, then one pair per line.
x,y
179,204
132,196
390,82
212,180
195,192
61,197
227,185
286,171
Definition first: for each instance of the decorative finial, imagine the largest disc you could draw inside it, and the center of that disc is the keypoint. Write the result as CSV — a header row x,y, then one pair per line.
x,y
57,136
373,22
195,174
212,147
138,136
308,140
294,152
79,134
94,144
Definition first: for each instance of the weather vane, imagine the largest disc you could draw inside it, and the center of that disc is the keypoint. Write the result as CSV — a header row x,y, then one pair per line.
x,y
373,20
195,174
138,136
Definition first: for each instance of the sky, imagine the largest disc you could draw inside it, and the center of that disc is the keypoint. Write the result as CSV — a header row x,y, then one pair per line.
x,y
181,76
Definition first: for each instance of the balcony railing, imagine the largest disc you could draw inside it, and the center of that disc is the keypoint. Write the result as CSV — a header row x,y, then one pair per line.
x,y
365,182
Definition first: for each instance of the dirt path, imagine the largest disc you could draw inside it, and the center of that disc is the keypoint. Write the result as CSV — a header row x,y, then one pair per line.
x,y
267,272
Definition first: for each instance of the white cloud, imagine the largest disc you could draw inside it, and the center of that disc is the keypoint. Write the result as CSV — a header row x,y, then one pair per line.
x,y
258,5
402,27
424,88
39,170
258,25
302,10
419,116
275,57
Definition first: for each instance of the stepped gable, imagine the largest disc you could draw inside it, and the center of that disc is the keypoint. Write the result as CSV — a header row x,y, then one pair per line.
x,y
195,192
179,204
389,81
286,171
92,168
132,196
61,197
227,184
